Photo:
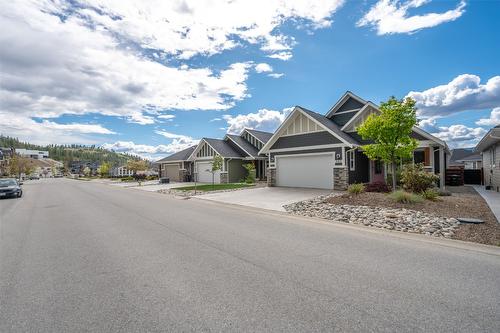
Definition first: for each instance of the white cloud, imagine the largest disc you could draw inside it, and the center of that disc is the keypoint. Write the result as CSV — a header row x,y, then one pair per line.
x,y
264,119
178,143
276,75
392,16
167,116
281,55
465,92
215,119
263,68
458,136
493,120
185,28
46,132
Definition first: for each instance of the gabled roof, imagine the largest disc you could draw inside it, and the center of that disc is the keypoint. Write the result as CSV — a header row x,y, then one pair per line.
x,y
223,148
243,145
325,123
342,100
329,124
459,153
182,155
492,137
260,135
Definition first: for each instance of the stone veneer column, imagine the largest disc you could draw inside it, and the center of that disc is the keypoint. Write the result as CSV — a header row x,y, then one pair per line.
x,y
271,177
182,175
340,179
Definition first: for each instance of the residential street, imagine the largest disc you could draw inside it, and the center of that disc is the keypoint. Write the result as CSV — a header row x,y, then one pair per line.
x,y
83,256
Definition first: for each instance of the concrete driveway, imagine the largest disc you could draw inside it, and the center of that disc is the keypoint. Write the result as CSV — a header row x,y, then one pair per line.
x,y
273,198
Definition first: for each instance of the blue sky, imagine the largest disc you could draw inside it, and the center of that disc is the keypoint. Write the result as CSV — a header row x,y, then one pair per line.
x,y
153,78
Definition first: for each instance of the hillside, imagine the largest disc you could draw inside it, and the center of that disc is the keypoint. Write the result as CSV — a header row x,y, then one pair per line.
x,y
68,153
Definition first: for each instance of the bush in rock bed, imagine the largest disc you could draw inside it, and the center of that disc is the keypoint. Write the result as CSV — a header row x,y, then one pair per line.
x,y
415,179
405,197
356,189
430,194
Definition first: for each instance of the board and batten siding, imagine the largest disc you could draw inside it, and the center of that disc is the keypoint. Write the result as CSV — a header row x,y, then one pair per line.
x,y
491,166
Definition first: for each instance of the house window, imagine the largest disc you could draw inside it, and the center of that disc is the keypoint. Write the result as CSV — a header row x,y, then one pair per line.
x,y
352,160
378,167
419,156
493,156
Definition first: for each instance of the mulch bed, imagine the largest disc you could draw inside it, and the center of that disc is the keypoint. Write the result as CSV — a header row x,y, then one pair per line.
x,y
464,202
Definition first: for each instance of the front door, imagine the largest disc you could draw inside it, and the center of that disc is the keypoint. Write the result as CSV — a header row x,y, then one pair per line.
x,y
377,172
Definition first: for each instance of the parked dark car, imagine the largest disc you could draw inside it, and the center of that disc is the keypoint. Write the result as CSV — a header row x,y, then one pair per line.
x,y
9,187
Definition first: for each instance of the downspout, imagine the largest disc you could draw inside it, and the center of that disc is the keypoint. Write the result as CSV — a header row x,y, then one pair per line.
x,y
228,160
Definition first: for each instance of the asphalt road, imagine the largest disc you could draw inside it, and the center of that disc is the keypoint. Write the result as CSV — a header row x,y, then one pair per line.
x,y
79,256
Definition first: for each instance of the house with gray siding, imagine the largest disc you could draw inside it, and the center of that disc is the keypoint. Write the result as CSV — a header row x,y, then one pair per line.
x,y
489,148
324,151
195,163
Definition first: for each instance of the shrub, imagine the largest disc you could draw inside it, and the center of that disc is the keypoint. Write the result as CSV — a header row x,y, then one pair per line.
x,y
415,179
356,188
251,173
377,187
430,194
405,197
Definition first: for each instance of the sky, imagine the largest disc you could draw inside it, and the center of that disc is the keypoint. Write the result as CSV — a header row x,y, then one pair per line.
x,y
153,77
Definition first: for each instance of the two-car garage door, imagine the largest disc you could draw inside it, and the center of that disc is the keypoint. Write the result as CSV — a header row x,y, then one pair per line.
x,y
313,171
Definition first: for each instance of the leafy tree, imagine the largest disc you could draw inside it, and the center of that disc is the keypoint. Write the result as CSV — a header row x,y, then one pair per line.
x,y
216,166
390,131
19,165
86,171
137,165
103,169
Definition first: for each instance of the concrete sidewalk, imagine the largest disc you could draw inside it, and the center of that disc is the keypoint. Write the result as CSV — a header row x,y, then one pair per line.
x,y
492,198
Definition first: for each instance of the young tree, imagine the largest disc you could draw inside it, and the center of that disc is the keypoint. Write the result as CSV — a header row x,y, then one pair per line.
x,y
86,171
137,165
390,131
216,166
103,169
19,165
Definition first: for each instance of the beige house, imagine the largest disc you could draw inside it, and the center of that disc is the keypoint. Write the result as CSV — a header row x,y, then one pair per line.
x,y
489,147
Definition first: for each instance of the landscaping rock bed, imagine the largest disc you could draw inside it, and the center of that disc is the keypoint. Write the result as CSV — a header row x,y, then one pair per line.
x,y
399,219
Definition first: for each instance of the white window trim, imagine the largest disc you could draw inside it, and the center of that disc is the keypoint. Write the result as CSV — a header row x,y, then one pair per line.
x,y
334,145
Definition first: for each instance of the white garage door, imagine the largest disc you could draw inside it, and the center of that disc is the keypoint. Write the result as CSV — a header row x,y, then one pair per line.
x,y
314,171
204,173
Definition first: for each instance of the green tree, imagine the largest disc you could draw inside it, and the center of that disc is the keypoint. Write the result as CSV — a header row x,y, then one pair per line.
x,y
86,171
390,130
103,169
19,165
135,166
216,166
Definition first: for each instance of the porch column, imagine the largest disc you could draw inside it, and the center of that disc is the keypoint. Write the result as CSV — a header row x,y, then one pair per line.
x,y
442,169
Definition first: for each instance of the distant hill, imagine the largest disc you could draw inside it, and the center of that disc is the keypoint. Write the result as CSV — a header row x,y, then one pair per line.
x,y
68,153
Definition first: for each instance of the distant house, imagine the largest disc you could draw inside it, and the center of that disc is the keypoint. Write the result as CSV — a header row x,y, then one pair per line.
x,y
77,167
489,148
36,154
120,171
466,157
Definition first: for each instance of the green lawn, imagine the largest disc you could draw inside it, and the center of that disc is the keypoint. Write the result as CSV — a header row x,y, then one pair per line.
x,y
215,187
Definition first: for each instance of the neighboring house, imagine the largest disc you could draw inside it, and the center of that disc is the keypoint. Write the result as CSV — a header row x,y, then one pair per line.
x,y
195,163
236,150
466,157
489,148
324,151
77,167
36,154
177,167
120,171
